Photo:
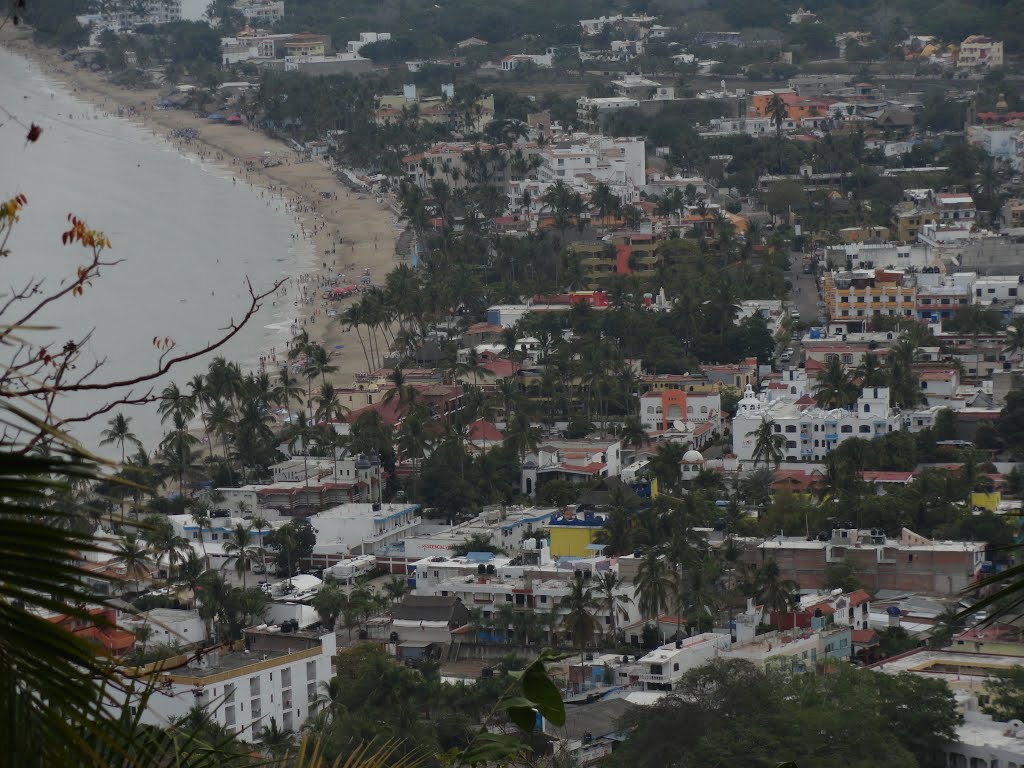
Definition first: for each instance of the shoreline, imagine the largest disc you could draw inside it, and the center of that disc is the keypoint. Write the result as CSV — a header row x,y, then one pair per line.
x,y
342,231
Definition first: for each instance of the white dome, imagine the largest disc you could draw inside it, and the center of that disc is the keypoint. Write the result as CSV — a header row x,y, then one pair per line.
x,y
692,457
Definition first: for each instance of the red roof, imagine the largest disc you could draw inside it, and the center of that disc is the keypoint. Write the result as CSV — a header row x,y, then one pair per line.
x,y
588,469
858,597
864,637
807,399
874,476
500,367
481,429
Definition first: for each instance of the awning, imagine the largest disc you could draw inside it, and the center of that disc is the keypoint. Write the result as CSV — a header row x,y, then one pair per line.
x,y
415,644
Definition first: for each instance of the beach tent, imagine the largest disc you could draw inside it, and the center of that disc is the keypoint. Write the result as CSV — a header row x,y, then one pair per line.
x,y
235,120
215,117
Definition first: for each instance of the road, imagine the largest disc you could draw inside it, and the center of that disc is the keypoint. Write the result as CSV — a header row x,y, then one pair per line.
x,y
805,291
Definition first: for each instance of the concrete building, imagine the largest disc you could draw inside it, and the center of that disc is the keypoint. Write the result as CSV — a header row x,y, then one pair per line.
x,y
661,410
277,675
910,562
360,529
168,626
866,293
366,38
574,460
811,433
663,668
618,162
980,51
261,13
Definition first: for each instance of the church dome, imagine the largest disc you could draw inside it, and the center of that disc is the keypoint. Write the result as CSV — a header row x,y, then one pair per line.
x,y
692,457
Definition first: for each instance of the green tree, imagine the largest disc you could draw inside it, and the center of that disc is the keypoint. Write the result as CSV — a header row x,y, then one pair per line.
x,y
612,599
580,606
238,547
655,586
329,603
1006,695
768,444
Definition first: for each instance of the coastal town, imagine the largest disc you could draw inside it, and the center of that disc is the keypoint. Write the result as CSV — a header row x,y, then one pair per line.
x,y
685,355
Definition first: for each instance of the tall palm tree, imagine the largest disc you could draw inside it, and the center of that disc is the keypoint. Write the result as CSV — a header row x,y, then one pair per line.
x,y
580,606
133,555
203,521
655,585
768,444
521,436
612,599
778,112
286,389
119,432
163,541
237,547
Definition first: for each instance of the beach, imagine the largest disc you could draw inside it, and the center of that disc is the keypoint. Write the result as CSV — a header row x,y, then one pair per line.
x,y
348,233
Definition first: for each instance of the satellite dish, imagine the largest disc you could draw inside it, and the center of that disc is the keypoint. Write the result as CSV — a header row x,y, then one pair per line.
x,y
679,425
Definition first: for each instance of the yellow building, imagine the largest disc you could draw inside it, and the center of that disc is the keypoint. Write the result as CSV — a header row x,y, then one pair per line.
x,y
909,221
864,294
305,44
573,535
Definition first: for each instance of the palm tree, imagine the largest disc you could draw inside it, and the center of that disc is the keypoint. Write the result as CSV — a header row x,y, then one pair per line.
x,y
163,541
768,444
396,588
275,741
778,113
834,388
772,591
204,523
329,603
119,432
655,585
521,436
287,389
579,620
609,587
870,372
237,547
133,555
260,525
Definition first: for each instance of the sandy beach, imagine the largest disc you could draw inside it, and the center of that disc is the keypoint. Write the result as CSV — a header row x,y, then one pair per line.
x,y
347,233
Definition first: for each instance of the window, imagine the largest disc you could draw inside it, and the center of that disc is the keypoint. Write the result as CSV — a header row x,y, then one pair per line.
x,y
254,686
846,429
790,428
543,598
865,428
778,428
791,444
675,667
508,598
310,670
286,677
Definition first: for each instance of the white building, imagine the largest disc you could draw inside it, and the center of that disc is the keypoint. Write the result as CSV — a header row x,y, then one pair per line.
x,y
261,12
356,528
1000,289
542,60
618,162
810,432
366,38
168,626
278,675
589,110
573,460
664,667
980,51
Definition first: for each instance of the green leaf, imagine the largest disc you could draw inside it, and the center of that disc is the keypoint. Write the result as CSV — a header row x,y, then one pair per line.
x,y
543,693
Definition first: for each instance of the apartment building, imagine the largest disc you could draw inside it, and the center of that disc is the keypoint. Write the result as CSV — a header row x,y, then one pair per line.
x,y
360,529
867,293
619,162
261,13
909,220
910,562
810,432
980,51
276,674
623,253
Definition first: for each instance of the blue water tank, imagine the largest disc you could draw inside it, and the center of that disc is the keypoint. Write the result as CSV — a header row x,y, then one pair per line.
x,y
815,333
892,610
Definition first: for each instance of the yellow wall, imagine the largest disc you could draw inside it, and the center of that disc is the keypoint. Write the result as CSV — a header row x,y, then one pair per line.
x,y
987,501
572,541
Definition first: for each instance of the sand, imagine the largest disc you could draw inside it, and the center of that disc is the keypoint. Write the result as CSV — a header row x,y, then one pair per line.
x,y
366,227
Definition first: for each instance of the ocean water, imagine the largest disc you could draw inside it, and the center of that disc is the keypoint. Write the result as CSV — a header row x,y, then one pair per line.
x,y
186,236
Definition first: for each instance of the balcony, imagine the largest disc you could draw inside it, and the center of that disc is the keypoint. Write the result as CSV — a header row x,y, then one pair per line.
x,y
647,678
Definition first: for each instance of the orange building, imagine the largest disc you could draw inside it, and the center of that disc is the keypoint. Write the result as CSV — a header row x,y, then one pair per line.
x,y
797,107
